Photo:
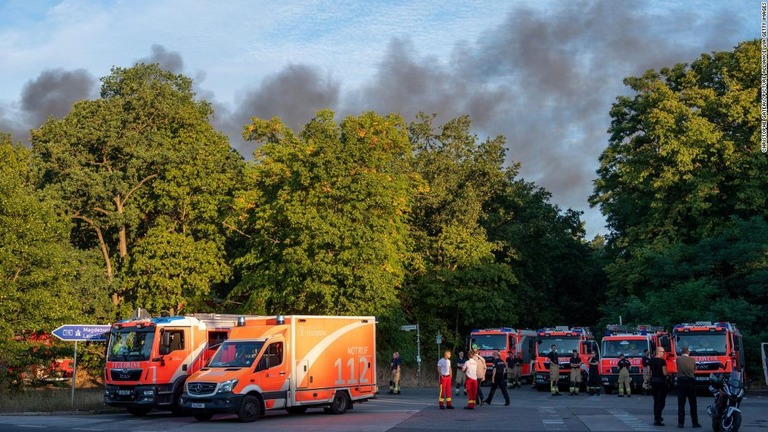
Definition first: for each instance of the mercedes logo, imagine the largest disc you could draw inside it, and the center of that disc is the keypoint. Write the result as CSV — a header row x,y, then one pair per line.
x,y
197,388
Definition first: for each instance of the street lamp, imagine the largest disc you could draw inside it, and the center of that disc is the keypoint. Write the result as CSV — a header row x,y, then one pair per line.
x,y
418,348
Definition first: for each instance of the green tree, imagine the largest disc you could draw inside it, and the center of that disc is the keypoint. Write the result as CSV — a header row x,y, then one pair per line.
x,y
682,185
44,282
147,180
325,213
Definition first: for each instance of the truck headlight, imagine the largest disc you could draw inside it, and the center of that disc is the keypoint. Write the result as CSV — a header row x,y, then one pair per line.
x,y
227,386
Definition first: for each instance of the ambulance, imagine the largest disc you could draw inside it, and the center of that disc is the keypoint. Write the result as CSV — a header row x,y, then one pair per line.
x,y
287,362
149,359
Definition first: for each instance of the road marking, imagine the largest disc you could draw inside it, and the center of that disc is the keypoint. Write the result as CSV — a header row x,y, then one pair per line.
x,y
630,420
550,419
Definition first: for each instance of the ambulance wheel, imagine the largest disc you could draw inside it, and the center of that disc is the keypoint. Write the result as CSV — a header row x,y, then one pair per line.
x,y
340,403
138,411
296,410
202,415
250,409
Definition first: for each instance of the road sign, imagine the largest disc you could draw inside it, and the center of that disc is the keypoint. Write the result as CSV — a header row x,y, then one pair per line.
x,y
82,332
409,327
439,338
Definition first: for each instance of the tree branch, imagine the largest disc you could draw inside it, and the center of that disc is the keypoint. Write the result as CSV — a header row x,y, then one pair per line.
x,y
233,228
130,192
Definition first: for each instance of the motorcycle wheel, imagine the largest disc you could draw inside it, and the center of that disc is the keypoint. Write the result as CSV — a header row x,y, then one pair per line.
x,y
732,424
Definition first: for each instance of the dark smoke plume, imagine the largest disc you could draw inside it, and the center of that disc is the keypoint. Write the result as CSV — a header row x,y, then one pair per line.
x,y
53,93
168,60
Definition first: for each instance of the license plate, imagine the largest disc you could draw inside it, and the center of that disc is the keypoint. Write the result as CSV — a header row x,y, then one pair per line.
x,y
198,405
124,392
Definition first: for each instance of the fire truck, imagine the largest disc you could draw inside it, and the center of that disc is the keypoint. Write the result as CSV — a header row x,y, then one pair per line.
x,y
716,347
631,342
508,341
149,359
567,339
287,362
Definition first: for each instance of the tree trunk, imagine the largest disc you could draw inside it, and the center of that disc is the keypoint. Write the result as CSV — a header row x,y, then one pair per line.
x,y
122,241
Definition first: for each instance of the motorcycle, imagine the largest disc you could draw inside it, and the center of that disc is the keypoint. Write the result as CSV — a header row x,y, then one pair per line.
x,y
728,393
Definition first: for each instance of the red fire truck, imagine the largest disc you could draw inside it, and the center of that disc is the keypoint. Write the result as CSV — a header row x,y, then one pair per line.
x,y
567,339
149,359
508,341
631,342
716,347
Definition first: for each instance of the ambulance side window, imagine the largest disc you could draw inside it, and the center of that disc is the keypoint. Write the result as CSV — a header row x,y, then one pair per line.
x,y
273,356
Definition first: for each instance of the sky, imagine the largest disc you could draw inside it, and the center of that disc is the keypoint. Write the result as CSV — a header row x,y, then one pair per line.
x,y
541,73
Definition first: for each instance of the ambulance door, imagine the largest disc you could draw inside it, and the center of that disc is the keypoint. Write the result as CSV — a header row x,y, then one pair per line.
x,y
273,376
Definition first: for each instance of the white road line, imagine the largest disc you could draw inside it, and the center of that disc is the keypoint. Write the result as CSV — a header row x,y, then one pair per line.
x,y
631,421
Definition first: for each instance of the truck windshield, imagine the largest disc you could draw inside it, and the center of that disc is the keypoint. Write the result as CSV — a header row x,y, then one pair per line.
x,y
234,353
565,345
630,348
490,342
702,344
130,344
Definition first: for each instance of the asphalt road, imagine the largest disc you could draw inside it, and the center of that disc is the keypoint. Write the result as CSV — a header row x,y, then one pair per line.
x,y
416,410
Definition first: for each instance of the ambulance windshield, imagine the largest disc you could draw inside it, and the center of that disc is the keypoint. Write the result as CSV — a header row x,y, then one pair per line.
x,y
236,353
130,344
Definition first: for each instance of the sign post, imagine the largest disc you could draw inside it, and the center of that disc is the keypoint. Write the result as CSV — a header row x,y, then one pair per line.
x,y
81,332
418,348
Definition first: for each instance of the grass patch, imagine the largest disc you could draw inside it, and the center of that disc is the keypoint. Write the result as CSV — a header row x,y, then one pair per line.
x,y
49,400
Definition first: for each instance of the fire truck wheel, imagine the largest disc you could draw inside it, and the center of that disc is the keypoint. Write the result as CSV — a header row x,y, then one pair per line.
x,y
202,415
138,411
340,403
250,409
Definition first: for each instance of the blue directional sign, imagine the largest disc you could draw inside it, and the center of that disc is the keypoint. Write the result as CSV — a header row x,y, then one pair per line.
x,y
82,332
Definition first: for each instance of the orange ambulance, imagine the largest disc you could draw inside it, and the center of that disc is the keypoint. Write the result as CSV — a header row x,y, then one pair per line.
x,y
287,362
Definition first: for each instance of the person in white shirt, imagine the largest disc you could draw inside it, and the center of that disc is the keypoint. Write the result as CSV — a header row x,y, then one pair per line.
x,y
470,370
444,372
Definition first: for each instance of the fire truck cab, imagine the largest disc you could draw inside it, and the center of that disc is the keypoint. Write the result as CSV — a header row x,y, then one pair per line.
x,y
149,359
631,342
566,339
716,347
509,342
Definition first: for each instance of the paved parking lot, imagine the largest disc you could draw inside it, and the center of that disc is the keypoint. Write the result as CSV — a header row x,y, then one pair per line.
x,y
416,410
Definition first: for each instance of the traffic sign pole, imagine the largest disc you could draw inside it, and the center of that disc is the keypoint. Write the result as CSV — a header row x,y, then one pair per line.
x,y
74,376
81,332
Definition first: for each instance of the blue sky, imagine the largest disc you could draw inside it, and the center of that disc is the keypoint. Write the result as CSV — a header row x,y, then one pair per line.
x,y
541,73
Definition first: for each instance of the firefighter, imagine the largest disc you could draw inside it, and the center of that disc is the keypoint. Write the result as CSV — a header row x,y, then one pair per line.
x,y
460,376
498,379
514,364
624,380
646,372
444,371
394,382
575,362
554,370
659,385
470,370
593,382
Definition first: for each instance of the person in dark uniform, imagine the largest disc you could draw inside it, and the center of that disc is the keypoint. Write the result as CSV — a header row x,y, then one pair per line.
x,y
646,372
498,379
514,364
593,382
575,362
659,385
624,379
554,370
